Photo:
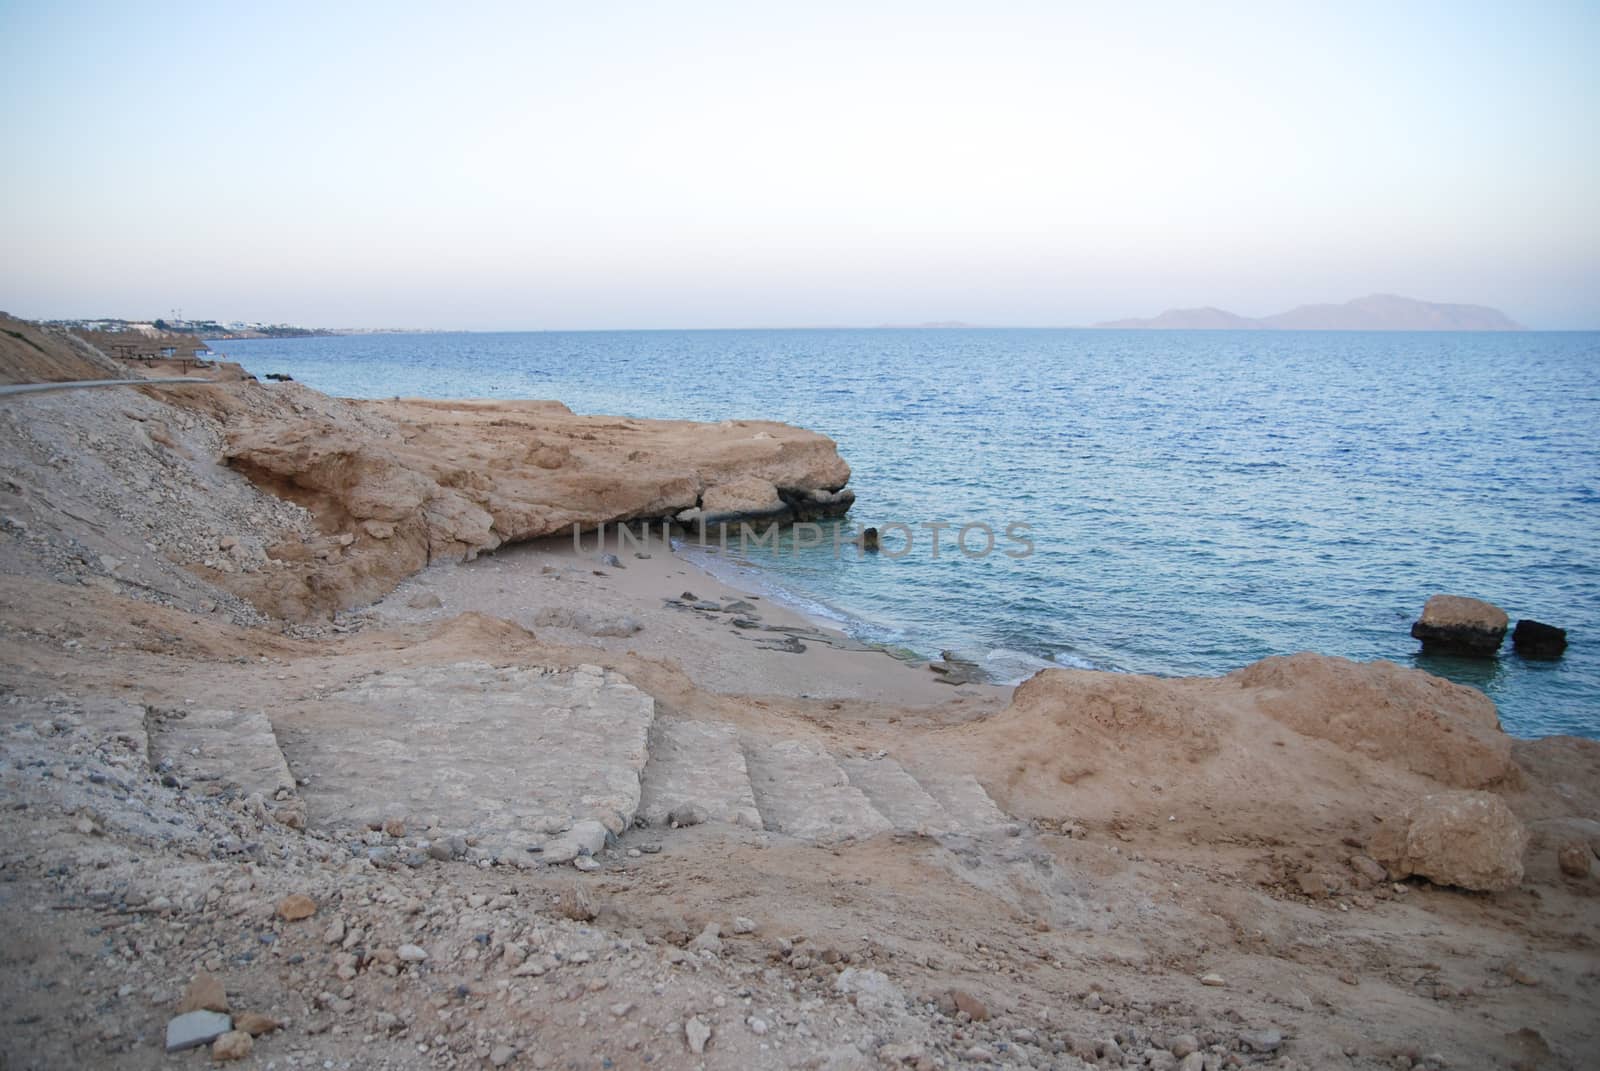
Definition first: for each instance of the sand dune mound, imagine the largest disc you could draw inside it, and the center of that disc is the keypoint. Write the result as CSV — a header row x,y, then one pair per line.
x,y
1305,748
1428,725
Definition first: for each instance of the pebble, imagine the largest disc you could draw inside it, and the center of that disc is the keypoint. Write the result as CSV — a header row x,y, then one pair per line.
x,y
966,1002
585,863
234,1045
1261,1040
501,1055
758,1026
696,1034
1212,979
1183,1045
255,1024
743,925
411,953
296,906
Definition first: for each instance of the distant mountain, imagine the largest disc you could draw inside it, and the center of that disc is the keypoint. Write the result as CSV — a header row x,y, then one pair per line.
x,y
1378,312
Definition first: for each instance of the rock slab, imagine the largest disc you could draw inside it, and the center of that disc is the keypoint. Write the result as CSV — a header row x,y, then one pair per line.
x,y
194,1029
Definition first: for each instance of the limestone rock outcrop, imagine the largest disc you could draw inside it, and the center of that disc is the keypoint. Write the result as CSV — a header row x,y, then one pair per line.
x,y
1454,624
413,481
1471,840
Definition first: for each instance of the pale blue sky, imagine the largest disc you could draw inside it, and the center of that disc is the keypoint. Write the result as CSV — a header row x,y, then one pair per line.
x,y
676,165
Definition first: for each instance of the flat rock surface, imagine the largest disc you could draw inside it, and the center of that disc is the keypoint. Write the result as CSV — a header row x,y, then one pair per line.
x,y
236,749
899,797
697,763
506,753
803,792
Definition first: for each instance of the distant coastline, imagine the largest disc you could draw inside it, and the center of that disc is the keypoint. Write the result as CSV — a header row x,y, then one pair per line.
x,y
1376,312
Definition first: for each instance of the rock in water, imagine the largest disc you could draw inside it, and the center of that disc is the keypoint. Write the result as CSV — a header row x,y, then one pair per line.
x,y
1536,640
1453,624
196,1028
870,539
1467,839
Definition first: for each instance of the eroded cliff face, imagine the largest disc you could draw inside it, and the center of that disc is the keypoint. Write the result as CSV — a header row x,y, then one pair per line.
x,y
385,487
411,482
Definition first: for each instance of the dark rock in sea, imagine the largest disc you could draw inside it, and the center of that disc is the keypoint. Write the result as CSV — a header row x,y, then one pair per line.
x,y
1455,625
869,539
1536,640
279,377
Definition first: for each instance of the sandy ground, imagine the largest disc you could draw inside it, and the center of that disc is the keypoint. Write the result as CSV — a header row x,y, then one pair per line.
x,y
526,582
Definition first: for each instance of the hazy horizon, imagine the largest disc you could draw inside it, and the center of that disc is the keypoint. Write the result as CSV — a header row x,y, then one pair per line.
x,y
535,167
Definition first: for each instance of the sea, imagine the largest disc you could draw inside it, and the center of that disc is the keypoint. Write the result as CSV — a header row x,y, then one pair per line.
x,y
1177,502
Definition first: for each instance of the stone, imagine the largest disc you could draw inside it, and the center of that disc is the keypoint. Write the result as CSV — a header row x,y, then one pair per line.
x,y
255,1024
1456,625
585,863
1193,1062
296,906
410,953
1311,884
1368,868
743,498
688,814
1213,978
587,622
966,1002
1538,641
743,925
204,993
334,934
1467,839
1184,1044
696,1034
1262,1041
501,1055
757,1025
708,940
234,1045
1575,859
425,600
196,1028
870,540
586,837
871,990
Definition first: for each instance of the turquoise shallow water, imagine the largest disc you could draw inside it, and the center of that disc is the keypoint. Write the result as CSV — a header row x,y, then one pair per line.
x,y
1197,500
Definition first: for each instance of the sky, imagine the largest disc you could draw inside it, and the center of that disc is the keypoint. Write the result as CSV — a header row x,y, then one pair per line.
x,y
632,165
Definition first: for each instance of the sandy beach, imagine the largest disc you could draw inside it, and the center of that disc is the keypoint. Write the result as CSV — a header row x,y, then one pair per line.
x,y
311,703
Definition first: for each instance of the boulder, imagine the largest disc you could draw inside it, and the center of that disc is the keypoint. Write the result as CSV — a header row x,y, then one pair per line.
x,y
746,498
1467,839
1536,640
1456,625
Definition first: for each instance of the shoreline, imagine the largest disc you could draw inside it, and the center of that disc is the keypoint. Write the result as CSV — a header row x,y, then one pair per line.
x,y
549,808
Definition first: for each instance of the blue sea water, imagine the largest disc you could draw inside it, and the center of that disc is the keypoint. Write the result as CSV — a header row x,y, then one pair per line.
x,y
1197,500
